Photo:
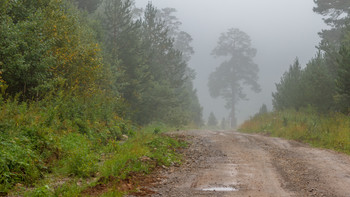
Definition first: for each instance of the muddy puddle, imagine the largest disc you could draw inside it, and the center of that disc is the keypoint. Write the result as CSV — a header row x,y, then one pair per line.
x,y
220,189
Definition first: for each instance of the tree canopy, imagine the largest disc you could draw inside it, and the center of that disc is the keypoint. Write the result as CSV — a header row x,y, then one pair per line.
x,y
235,73
324,82
48,46
288,94
336,13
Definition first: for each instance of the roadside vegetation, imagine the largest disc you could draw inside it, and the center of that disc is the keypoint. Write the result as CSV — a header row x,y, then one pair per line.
x,y
87,88
58,148
53,149
312,104
327,131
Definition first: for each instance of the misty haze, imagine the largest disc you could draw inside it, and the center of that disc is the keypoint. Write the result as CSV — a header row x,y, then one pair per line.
x,y
175,98
279,30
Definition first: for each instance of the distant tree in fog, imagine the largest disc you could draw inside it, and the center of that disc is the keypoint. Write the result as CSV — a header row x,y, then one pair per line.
x,y
182,40
238,71
223,123
263,109
212,121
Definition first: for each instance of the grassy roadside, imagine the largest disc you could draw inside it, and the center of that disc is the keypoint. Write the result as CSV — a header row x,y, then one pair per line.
x,y
67,145
330,131
88,168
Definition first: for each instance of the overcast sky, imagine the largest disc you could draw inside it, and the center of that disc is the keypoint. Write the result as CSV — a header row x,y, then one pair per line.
x,y
281,30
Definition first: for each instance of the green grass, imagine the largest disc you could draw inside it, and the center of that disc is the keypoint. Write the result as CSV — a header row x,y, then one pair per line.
x,y
113,193
330,131
79,157
141,154
63,141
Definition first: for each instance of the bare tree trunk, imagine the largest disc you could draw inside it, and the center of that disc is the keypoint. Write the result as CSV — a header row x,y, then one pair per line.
x,y
233,118
233,113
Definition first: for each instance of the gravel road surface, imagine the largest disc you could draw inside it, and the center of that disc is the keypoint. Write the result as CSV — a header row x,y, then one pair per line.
x,y
227,163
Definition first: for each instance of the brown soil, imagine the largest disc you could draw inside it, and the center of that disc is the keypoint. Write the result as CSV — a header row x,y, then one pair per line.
x,y
250,165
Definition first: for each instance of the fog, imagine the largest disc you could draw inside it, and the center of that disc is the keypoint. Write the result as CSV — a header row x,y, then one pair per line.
x,y
281,30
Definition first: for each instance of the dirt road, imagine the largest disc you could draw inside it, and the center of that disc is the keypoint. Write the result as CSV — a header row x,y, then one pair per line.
x,y
224,163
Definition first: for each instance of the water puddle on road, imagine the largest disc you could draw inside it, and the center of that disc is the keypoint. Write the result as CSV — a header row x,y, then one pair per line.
x,y
222,178
220,189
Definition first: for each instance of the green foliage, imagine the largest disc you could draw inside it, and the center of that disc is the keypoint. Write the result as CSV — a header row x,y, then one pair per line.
x,y
141,154
124,161
318,85
44,46
335,15
23,50
307,125
71,80
39,138
164,150
288,94
36,134
343,78
78,158
312,86
152,73
163,128
118,31
324,78
114,193
70,188
24,146
41,191
166,69
18,163
212,121
156,130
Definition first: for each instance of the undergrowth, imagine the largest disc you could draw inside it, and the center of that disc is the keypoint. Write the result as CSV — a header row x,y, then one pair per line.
x,y
62,145
330,131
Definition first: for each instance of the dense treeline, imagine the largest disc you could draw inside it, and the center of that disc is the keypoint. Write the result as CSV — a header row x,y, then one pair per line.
x,y
77,76
325,81
50,45
312,104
